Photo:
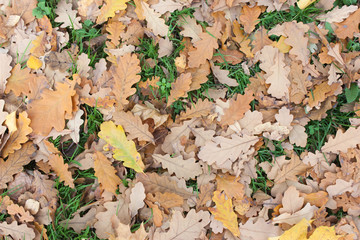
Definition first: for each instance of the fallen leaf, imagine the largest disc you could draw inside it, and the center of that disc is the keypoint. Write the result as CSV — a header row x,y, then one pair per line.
x,y
61,169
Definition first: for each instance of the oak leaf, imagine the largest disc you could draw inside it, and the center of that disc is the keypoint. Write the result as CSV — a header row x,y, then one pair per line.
x,y
155,183
222,75
67,15
166,200
19,136
79,223
179,88
321,92
337,14
306,212
61,169
5,70
52,109
249,17
224,213
109,8
137,197
293,168
164,6
191,28
201,108
154,22
115,28
205,47
222,149
237,108
348,27
299,231
123,231
149,111
105,173
125,75
15,162
123,149
134,126
189,227
74,125
19,81
199,75
342,141
17,232
186,169
230,185
299,83
19,211
258,229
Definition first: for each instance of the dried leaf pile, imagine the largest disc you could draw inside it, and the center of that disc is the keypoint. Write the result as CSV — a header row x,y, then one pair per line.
x,y
194,171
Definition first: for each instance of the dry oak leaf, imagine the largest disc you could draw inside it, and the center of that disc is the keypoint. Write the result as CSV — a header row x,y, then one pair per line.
x,y
133,125
291,201
205,195
321,92
179,88
258,229
154,20
17,232
123,231
205,47
67,15
164,6
15,162
237,108
19,81
79,223
61,169
105,173
123,149
202,108
224,213
222,75
137,197
249,17
166,200
189,227
191,28
19,136
109,8
149,111
5,69
337,14
19,211
299,83
299,231
23,9
290,171
44,187
318,199
230,185
52,109
306,212
295,33
199,75
154,183
348,27
342,141
125,75
229,149
74,125
298,136
187,169
115,28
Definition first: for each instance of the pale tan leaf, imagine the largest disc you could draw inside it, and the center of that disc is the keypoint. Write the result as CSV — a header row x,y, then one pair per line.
x,y
166,200
5,69
337,14
154,22
74,125
19,211
258,229
290,171
17,232
67,15
137,197
79,223
191,28
307,212
291,201
342,141
164,6
298,136
199,109
133,125
182,168
222,75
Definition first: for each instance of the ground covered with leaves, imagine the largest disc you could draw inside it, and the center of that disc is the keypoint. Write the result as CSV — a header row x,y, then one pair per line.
x,y
179,119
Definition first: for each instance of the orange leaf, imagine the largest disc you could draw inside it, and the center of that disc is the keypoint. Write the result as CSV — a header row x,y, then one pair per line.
x,y
348,27
125,75
19,211
61,169
249,17
19,81
115,28
105,173
52,109
179,88
19,136
237,108
230,185
224,213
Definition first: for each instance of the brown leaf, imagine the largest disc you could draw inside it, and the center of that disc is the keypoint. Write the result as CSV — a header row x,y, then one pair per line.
x,y
15,162
19,136
342,141
179,88
61,169
19,211
125,75
291,170
166,200
79,223
52,109
230,185
237,108
348,27
134,126
249,17
115,29
201,108
19,81
105,173
17,232
154,21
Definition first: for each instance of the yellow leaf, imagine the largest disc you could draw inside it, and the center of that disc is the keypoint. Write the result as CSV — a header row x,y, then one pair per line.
x,y
105,173
281,45
109,9
325,233
302,4
123,149
10,122
297,232
224,213
34,63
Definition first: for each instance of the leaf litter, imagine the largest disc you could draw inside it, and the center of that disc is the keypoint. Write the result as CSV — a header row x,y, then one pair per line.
x,y
173,157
